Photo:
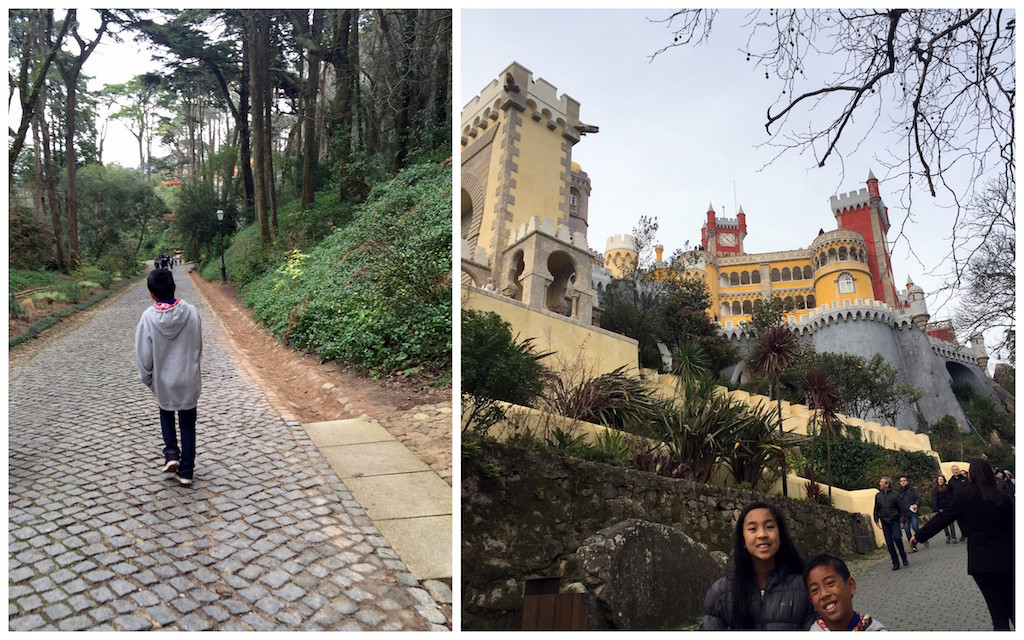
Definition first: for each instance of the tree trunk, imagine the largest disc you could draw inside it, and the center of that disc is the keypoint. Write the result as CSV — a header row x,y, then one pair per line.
x,y
30,92
258,37
70,76
308,111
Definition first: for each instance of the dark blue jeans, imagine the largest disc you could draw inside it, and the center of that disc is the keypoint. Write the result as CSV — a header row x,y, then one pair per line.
x,y
912,521
187,454
894,540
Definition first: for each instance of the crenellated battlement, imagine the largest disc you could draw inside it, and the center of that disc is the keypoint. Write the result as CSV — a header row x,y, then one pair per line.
x,y
621,242
547,226
542,102
731,223
855,311
850,200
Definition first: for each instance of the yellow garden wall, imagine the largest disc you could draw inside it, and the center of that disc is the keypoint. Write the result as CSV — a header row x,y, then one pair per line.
x,y
575,348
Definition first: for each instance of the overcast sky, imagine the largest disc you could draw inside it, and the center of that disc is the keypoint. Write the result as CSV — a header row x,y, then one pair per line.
x,y
684,130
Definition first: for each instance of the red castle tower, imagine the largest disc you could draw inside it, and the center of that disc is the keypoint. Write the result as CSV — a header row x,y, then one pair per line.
x,y
724,237
864,212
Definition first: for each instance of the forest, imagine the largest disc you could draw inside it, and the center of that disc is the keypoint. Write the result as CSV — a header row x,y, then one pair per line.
x,y
292,122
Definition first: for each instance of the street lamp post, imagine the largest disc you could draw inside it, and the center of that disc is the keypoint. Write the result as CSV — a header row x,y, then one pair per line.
x,y
223,269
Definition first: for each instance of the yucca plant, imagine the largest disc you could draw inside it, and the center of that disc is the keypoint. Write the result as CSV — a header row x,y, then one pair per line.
x,y
614,399
698,423
757,448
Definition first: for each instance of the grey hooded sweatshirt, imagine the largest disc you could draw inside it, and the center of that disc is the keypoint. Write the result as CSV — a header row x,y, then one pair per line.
x,y
168,347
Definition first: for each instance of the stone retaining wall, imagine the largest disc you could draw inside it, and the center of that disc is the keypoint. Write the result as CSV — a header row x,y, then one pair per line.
x,y
525,513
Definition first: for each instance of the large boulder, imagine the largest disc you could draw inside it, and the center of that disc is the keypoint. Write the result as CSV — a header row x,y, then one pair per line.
x,y
645,575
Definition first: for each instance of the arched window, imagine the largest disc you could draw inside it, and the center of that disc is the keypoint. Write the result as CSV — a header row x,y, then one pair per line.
x,y
785,274
725,309
574,197
845,283
758,303
832,257
747,307
737,309
808,273
810,301
745,278
775,275
723,280
800,303
734,279
797,274
843,256
755,277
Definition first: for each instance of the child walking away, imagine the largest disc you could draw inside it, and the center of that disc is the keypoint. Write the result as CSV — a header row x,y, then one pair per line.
x,y
168,348
831,587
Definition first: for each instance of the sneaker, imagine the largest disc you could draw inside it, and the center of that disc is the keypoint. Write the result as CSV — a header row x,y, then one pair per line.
x,y
895,567
170,466
905,562
183,481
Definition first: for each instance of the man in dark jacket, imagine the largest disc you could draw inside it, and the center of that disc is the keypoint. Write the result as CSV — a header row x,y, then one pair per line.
x,y
1004,482
910,502
957,485
888,517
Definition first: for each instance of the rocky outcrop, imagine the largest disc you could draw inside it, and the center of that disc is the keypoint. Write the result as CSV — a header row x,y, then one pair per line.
x,y
645,575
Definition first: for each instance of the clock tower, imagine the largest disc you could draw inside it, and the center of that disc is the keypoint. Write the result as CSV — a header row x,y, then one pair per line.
x,y
724,236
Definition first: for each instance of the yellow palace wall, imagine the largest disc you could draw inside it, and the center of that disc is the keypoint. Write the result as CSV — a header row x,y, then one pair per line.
x,y
573,346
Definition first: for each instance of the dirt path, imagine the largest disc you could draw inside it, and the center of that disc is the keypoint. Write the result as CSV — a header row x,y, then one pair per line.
x,y
302,389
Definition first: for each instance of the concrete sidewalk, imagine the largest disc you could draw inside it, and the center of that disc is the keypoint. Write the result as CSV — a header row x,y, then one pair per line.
x,y
409,503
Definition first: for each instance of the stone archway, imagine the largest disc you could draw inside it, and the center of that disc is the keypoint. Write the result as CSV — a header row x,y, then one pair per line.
x,y
563,271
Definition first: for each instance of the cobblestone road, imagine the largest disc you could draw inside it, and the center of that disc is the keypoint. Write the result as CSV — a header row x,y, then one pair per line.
x,y
933,594
268,538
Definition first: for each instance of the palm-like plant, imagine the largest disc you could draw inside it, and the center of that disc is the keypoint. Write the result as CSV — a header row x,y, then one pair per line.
x,y
775,351
824,400
756,447
698,425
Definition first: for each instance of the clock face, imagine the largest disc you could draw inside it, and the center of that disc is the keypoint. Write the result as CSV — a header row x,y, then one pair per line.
x,y
727,239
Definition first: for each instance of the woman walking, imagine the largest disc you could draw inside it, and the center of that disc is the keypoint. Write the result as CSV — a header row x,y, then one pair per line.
x,y
940,500
985,513
765,588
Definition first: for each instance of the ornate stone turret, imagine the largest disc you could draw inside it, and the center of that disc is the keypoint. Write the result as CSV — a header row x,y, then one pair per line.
x,y
918,310
620,254
978,344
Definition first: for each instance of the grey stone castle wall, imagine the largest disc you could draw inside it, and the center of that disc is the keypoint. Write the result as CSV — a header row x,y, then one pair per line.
x,y
901,345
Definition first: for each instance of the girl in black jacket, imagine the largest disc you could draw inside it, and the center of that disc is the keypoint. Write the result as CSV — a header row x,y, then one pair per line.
x,y
941,498
985,513
765,589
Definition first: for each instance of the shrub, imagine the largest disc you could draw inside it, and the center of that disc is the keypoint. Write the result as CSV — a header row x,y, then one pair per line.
x,y
30,239
494,364
858,464
376,293
15,310
72,292
613,399
97,275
